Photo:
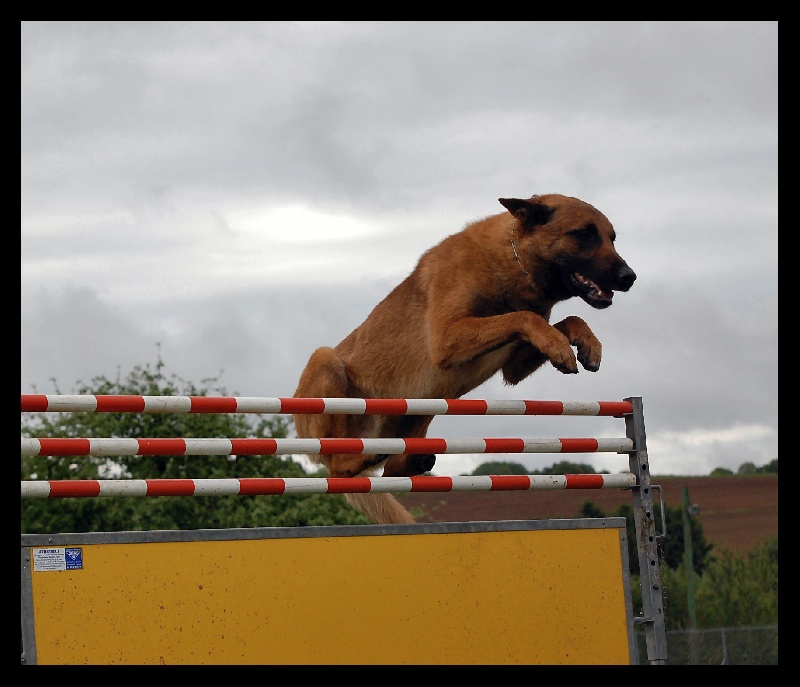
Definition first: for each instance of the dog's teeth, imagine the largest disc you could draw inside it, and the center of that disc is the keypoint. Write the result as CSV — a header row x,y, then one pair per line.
x,y
583,280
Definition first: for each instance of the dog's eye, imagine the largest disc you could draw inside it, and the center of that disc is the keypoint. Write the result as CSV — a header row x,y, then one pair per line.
x,y
587,235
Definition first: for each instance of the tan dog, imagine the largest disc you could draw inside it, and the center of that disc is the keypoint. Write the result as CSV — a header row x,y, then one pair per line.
x,y
476,303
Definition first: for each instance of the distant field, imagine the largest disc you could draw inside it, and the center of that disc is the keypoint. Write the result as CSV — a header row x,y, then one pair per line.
x,y
736,512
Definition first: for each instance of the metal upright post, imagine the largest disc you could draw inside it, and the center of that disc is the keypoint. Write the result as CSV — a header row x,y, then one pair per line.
x,y
646,538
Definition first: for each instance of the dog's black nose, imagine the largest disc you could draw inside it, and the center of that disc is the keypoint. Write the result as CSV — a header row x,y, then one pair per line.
x,y
626,277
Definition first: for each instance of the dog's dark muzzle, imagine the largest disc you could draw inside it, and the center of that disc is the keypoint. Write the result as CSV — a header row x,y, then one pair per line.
x,y
625,278
600,293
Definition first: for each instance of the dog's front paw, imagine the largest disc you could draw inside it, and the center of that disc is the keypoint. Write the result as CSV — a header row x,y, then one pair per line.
x,y
589,356
558,351
579,334
566,370
565,362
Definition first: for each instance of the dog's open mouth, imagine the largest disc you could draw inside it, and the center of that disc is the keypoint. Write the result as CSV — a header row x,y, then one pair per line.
x,y
593,294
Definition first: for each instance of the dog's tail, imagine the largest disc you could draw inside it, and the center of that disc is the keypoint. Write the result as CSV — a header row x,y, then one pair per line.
x,y
382,508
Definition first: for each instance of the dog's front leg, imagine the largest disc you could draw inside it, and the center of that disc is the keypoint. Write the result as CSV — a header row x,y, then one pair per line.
x,y
461,341
578,333
526,359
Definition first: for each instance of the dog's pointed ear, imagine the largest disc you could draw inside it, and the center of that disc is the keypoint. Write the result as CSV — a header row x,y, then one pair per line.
x,y
529,212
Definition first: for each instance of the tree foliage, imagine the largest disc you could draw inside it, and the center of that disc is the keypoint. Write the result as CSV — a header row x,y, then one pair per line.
x,y
740,589
98,514
721,472
496,467
736,589
563,467
566,467
769,468
748,468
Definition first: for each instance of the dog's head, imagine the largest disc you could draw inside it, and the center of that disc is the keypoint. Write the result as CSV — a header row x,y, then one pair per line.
x,y
567,246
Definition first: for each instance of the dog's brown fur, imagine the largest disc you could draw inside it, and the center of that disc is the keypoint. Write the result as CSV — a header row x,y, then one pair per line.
x,y
477,303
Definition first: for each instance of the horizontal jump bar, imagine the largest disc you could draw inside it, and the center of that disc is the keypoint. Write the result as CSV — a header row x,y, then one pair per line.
x,y
311,406
317,485
253,447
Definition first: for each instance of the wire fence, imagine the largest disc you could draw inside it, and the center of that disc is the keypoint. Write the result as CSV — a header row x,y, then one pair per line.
x,y
754,646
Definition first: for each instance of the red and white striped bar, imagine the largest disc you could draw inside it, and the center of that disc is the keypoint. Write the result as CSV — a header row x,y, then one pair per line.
x,y
257,486
308,406
252,447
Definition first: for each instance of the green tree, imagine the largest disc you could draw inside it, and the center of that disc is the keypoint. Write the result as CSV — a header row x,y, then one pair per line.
x,y
720,472
736,589
769,468
590,510
748,468
674,543
565,467
739,589
500,468
167,512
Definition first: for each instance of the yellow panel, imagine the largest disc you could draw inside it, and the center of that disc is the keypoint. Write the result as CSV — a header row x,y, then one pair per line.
x,y
544,596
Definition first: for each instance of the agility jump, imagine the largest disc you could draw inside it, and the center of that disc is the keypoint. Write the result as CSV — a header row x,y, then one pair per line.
x,y
554,557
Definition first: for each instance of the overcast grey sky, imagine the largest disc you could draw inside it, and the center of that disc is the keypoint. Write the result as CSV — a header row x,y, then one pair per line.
x,y
233,195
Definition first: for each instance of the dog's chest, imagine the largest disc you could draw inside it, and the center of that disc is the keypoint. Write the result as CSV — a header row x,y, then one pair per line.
x,y
474,373
507,301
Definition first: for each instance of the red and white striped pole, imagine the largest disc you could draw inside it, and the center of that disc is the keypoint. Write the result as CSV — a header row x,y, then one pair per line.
x,y
72,446
302,406
250,447
318,485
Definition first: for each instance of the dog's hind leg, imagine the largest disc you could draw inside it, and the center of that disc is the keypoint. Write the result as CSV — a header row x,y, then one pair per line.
x,y
325,376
